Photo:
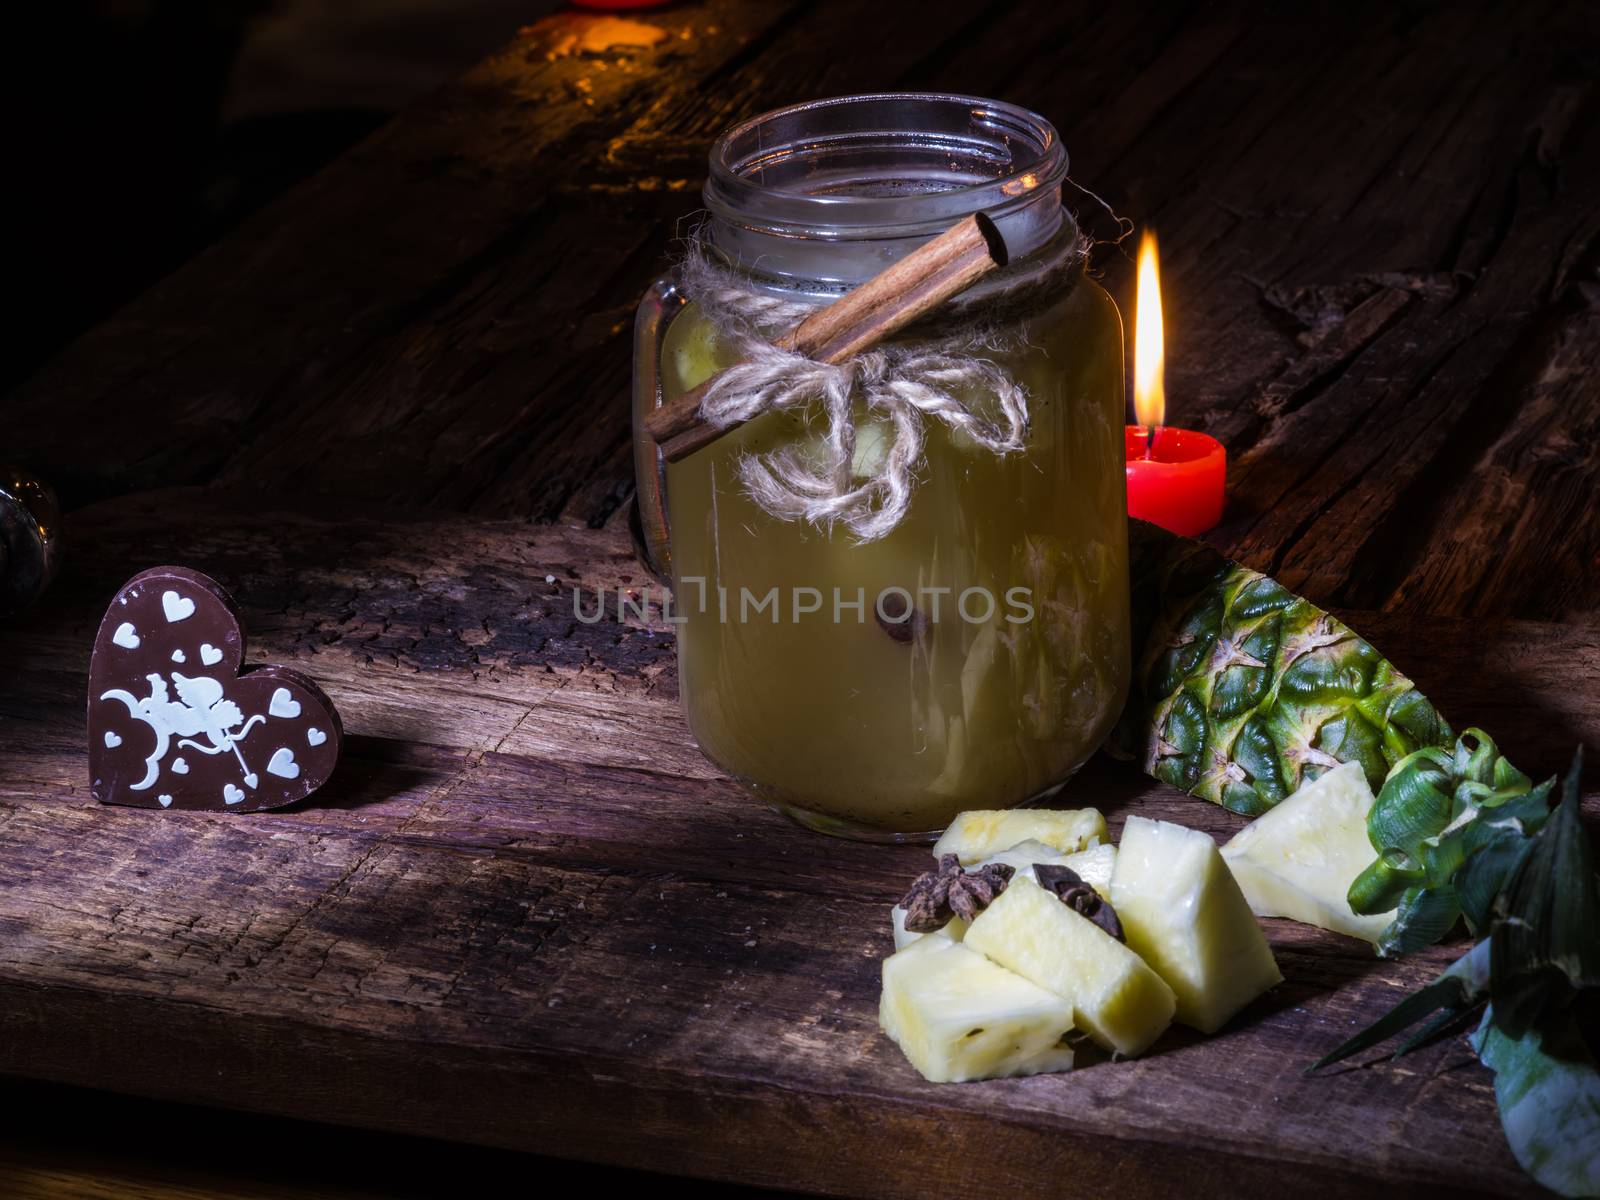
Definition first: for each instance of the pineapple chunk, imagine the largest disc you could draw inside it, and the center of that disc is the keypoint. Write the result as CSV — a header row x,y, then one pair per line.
x,y
1183,912
974,836
1116,998
1023,855
957,1016
903,937
1298,860
1094,866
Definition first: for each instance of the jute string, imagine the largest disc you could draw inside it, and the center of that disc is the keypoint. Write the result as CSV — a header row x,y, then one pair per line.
x,y
943,369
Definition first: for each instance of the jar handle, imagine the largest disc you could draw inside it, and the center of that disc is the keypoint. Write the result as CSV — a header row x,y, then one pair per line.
x,y
652,533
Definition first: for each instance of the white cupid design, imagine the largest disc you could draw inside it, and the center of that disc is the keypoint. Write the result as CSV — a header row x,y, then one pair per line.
x,y
199,709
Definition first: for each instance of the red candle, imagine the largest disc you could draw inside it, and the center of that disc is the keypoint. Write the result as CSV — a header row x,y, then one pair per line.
x,y
1177,483
1175,476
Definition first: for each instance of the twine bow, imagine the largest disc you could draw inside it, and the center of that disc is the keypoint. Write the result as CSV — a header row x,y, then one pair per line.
x,y
948,379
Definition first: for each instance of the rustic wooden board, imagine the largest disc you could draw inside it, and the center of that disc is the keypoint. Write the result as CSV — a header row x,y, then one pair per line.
x,y
527,912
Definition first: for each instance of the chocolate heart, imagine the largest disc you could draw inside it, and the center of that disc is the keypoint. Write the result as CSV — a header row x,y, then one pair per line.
x,y
177,721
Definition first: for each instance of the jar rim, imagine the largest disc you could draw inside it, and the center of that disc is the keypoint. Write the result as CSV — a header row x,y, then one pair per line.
x,y
806,170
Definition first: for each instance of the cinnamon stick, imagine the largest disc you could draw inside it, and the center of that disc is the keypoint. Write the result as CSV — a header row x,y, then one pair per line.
x,y
857,321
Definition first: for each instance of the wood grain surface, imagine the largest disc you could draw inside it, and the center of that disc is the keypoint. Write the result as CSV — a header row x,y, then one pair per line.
x,y
390,415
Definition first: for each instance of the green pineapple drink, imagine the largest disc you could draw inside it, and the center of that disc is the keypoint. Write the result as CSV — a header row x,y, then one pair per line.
x,y
1017,659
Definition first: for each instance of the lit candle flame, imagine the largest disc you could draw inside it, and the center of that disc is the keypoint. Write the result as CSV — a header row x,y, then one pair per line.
x,y
1149,350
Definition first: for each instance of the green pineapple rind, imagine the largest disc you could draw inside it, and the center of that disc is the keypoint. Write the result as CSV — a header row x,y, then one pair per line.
x,y
1243,691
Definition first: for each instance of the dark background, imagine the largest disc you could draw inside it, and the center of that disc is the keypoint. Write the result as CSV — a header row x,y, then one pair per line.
x,y
142,130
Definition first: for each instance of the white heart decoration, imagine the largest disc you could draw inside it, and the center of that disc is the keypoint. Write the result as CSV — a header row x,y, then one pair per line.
x,y
181,766
126,636
283,764
209,654
315,736
112,740
178,656
165,801
231,795
251,779
283,705
177,608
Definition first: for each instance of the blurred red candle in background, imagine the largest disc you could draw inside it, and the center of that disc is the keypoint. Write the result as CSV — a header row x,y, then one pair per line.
x,y
1175,476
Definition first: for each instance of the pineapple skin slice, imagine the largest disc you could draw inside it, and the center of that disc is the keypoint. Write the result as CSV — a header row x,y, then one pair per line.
x,y
1116,998
1299,859
1185,915
975,835
958,1017
903,937
1240,687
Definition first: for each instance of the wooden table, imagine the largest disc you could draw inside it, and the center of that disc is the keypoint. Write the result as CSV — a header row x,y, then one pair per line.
x,y
527,913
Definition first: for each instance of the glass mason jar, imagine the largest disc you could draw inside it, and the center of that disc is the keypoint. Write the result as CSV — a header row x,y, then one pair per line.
x,y
1013,663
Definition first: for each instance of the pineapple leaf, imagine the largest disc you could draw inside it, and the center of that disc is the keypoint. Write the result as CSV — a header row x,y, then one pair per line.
x,y
1450,826
1461,988
1479,761
1443,1025
1414,802
1426,915
1380,887
1545,944
1538,968
1492,844
1547,1087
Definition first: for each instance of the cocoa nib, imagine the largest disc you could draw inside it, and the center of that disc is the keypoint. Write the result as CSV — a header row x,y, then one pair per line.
x,y
1077,895
947,891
